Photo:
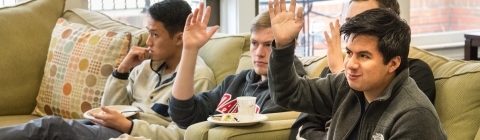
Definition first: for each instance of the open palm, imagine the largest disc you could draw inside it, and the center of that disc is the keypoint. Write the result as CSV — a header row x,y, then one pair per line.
x,y
195,34
285,24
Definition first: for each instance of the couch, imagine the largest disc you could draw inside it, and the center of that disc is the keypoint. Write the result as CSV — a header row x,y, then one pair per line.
x,y
25,38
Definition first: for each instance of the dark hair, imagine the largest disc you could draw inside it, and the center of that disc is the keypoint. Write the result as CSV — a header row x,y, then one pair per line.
x,y
387,4
393,33
172,13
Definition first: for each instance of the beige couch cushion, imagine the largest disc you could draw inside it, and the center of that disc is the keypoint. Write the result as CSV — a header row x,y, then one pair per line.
x,y
24,33
101,21
16,119
457,101
222,53
273,130
313,64
245,62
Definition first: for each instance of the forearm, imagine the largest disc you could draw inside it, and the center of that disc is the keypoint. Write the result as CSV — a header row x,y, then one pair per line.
x,y
115,92
182,112
183,87
280,71
195,109
292,92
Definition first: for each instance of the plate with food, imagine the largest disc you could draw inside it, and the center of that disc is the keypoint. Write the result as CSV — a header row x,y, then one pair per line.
x,y
231,119
125,110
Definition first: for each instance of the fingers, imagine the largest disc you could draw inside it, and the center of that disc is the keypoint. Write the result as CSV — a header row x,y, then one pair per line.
x,y
212,31
200,12
189,19
283,7
207,15
194,18
337,32
276,6
327,37
141,52
98,116
299,15
271,10
98,122
106,110
293,4
337,24
332,28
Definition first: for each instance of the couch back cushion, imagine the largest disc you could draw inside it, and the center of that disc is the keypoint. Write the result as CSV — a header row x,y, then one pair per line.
x,y
25,33
457,101
101,21
222,53
313,64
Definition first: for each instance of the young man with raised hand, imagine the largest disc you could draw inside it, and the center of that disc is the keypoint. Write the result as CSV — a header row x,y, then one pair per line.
x,y
187,108
308,126
374,98
139,82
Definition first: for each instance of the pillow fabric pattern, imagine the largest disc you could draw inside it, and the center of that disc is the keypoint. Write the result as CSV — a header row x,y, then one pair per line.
x,y
79,61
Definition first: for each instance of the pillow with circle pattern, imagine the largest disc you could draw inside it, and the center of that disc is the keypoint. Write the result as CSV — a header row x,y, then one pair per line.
x,y
79,61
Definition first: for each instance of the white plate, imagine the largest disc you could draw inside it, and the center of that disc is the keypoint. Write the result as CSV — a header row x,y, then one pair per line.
x,y
127,110
257,118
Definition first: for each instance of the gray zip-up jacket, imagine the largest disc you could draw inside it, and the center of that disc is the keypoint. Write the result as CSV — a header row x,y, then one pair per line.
x,y
402,112
222,99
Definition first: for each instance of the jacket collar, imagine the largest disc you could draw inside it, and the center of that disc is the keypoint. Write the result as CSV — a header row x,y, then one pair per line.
x,y
395,86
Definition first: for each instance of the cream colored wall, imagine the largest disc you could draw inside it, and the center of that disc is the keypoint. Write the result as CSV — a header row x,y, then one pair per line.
x,y
70,4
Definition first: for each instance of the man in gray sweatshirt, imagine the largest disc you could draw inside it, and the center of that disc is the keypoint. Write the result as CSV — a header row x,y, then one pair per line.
x,y
373,98
187,108
310,126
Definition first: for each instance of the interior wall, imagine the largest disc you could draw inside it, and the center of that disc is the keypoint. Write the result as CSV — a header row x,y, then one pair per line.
x,y
456,52
70,4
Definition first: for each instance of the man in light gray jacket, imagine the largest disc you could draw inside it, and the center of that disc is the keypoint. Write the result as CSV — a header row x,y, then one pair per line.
x,y
139,82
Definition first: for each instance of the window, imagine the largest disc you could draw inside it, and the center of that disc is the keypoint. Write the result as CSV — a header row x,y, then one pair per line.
x,y
9,2
437,25
129,11
317,16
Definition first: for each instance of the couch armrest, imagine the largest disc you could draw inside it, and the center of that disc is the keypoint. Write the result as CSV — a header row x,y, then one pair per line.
x,y
282,115
277,125
477,136
199,131
270,130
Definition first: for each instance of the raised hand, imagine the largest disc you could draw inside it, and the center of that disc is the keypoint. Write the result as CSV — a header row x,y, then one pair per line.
x,y
285,24
195,34
112,119
334,53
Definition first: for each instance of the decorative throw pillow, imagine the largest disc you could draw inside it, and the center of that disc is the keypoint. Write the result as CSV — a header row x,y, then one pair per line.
x,y
79,61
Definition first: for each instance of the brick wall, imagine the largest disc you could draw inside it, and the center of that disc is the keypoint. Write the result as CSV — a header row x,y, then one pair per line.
x,y
428,16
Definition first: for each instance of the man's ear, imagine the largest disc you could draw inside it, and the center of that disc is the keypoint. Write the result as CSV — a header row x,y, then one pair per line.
x,y
179,38
394,63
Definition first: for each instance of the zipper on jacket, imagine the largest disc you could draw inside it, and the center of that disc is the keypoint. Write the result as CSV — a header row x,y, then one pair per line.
x,y
363,120
358,119
258,86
